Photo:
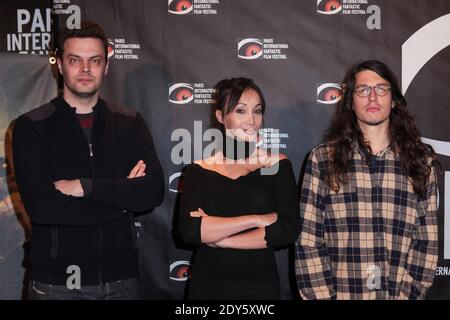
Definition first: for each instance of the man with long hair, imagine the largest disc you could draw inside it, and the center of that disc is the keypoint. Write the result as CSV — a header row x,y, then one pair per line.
x,y
369,198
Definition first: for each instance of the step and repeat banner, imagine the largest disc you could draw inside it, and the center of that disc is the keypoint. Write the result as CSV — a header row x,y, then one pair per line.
x,y
167,55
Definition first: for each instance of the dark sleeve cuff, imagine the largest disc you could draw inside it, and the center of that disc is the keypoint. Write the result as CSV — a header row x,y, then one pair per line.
x,y
86,184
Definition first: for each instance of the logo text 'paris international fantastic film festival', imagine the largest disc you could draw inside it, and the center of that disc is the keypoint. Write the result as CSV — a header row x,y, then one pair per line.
x,y
196,7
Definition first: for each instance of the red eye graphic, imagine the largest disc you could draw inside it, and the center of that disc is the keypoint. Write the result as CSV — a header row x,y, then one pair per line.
x,y
183,5
180,271
180,6
332,5
183,95
252,50
332,94
183,272
329,7
329,93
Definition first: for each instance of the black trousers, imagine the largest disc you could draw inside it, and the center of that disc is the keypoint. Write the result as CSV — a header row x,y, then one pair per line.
x,y
205,287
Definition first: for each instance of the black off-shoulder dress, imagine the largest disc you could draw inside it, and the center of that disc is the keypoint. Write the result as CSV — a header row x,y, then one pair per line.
x,y
222,273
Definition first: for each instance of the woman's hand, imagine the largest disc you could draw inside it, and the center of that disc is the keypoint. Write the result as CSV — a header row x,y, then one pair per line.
x,y
267,219
198,214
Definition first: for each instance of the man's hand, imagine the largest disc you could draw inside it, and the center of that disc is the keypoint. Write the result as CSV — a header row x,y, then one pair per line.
x,y
70,187
138,170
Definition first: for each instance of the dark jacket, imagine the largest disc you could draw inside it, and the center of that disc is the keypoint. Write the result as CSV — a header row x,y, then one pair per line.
x,y
94,232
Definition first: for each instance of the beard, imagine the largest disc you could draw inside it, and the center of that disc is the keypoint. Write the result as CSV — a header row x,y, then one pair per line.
x,y
374,122
82,94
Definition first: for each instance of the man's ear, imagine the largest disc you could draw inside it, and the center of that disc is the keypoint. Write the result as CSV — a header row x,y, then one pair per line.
x,y
59,62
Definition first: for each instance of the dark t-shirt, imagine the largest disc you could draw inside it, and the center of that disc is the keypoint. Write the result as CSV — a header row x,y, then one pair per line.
x,y
86,123
253,193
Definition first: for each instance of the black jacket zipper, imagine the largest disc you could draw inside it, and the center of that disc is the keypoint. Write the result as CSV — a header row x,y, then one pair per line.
x,y
91,158
100,228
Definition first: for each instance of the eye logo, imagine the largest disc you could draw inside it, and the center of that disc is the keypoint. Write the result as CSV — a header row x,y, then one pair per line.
x,y
176,182
180,271
180,6
110,48
329,6
181,93
250,48
328,93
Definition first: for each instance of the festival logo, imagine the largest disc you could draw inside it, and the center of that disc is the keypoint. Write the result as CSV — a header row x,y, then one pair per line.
x,y
328,93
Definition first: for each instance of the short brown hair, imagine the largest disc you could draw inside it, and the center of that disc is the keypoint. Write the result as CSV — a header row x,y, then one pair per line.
x,y
88,29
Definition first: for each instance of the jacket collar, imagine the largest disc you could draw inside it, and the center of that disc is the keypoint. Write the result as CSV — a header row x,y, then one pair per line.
x,y
63,107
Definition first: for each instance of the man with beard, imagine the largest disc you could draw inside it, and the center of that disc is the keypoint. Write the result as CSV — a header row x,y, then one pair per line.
x,y
84,167
368,199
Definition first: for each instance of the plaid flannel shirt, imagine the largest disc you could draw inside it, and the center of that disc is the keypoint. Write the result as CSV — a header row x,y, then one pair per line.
x,y
373,239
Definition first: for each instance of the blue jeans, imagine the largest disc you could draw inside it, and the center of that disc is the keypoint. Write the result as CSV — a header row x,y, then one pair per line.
x,y
127,289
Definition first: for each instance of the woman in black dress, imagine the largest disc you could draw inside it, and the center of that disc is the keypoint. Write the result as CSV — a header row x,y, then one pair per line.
x,y
237,206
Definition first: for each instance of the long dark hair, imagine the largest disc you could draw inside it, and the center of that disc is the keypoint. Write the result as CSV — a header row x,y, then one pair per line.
x,y
403,133
227,93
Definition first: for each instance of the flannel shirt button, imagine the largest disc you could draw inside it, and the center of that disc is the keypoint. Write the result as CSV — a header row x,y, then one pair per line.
x,y
378,235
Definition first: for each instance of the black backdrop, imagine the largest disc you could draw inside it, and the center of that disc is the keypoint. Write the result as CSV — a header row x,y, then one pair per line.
x,y
296,50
